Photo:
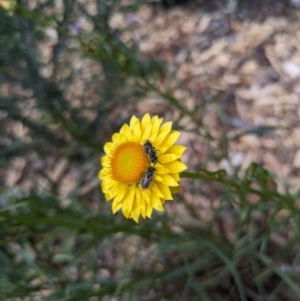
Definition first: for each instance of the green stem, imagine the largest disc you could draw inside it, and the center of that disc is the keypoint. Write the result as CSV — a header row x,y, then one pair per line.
x,y
241,186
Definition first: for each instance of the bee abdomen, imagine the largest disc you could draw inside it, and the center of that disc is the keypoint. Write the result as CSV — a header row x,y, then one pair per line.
x,y
150,151
148,177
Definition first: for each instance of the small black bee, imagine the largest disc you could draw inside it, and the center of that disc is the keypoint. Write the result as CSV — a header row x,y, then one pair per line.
x,y
150,151
148,177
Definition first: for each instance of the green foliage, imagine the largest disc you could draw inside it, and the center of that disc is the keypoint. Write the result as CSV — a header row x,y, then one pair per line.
x,y
60,248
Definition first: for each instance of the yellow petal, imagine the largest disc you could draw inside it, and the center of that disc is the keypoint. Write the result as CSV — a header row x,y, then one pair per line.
x,y
108,193
103,173
138,197
168,180
116,207
149,210
108,147
127,202
107,184
139,206
145,195
133,121
155,191
156,204
146,134
146,120
175,176
135,212
165,190
169,141
166,127
160,169
158,178
167,158
174,190
108,196
146,127
115,137
126,131
177,149
136,129
118,189
163,134
175,166
117,203
155,129
154,119
105,160
143,210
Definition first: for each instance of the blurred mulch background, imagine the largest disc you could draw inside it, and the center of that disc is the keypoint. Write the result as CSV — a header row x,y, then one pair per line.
x,y
242,56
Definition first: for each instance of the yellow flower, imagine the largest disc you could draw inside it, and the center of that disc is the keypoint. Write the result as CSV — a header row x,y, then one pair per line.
x,y
135,176
8,4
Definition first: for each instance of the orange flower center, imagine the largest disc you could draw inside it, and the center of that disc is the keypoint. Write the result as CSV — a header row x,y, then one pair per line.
x,y
129,163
